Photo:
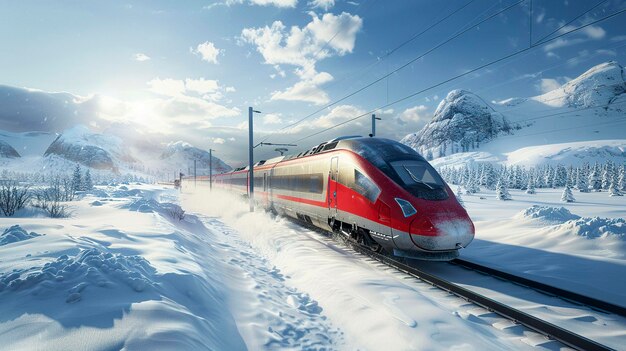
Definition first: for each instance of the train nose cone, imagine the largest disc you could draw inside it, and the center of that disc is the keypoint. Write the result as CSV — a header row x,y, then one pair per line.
x,y
442,234
454,234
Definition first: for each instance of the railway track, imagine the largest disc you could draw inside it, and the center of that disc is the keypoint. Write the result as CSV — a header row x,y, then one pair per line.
x,y
548,329
566,295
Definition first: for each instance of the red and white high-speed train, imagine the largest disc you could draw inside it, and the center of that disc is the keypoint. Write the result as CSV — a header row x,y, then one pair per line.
x,y
378,191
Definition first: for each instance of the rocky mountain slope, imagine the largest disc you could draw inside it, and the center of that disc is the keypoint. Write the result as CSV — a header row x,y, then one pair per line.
x,y
97,151
461,122
589,108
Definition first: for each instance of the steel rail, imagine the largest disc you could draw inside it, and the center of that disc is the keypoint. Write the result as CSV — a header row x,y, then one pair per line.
x,y
567,295
550,330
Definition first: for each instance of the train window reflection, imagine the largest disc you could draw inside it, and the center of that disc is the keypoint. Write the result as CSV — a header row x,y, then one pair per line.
x,y
364,186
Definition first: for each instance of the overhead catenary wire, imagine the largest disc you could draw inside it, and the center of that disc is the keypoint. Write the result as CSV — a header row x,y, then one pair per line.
x,y
572,20
392,51
402,66
463,74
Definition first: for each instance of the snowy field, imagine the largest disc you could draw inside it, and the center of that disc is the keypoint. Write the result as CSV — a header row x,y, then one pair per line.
x,y
126,272
580,246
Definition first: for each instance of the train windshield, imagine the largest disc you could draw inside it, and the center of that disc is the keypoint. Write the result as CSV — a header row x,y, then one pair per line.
x,y
420,179
417,173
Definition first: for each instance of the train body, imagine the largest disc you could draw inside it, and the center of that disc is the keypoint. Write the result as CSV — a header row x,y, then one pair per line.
x,y
378,191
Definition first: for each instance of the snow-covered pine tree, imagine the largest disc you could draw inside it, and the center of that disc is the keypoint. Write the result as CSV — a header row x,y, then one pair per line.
x,y
87,182
594,178
518,177
489,176
581,181
613,189
560,176
530,188
502,192
607,175
77,182
571,174
459,198
567,195
621,183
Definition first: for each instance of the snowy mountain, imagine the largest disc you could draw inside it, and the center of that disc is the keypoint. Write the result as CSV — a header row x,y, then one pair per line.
x,y
588,110
7,151
462,120
601,85
182,155
79,144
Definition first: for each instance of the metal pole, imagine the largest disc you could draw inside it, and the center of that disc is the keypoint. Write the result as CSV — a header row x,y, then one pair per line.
x,y
374,118
210,169
251,159
195,174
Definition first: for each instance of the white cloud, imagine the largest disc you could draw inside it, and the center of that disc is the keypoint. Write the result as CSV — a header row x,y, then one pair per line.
x,y
272,118
303,47
189,102
322,4
548,84
207,51
201,86
541,16
306,90
414,114
606,52
218,141
167,87
583,35
277,3
552,55
206,88
141,57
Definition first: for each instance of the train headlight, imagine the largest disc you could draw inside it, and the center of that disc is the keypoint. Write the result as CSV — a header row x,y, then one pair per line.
x,y
407,209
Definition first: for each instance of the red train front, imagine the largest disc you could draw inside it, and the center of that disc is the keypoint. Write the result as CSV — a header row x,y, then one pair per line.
x,y
377,191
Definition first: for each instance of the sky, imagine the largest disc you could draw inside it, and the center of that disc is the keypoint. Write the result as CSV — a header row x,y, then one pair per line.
x,y
189,70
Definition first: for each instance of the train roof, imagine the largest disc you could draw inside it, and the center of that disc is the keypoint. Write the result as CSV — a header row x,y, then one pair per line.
x,y
376,150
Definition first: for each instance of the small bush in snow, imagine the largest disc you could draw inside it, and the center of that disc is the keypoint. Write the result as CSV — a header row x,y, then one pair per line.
x,y
13,197
51,198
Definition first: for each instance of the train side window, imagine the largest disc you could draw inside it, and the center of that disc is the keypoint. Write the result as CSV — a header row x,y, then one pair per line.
x,y
364,186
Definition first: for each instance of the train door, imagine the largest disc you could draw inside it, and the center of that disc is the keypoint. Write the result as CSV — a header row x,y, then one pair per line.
x,y
332,186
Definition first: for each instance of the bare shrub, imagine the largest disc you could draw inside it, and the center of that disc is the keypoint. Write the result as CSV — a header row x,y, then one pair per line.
x,y
176,213
13,197
51,199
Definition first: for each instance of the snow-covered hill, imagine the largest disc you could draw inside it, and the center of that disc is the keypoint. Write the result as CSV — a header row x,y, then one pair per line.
x,y
98,151
588,109
182,155
7,151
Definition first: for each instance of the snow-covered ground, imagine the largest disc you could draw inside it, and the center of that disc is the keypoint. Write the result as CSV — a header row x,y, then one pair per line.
x,y
124,272
579,246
